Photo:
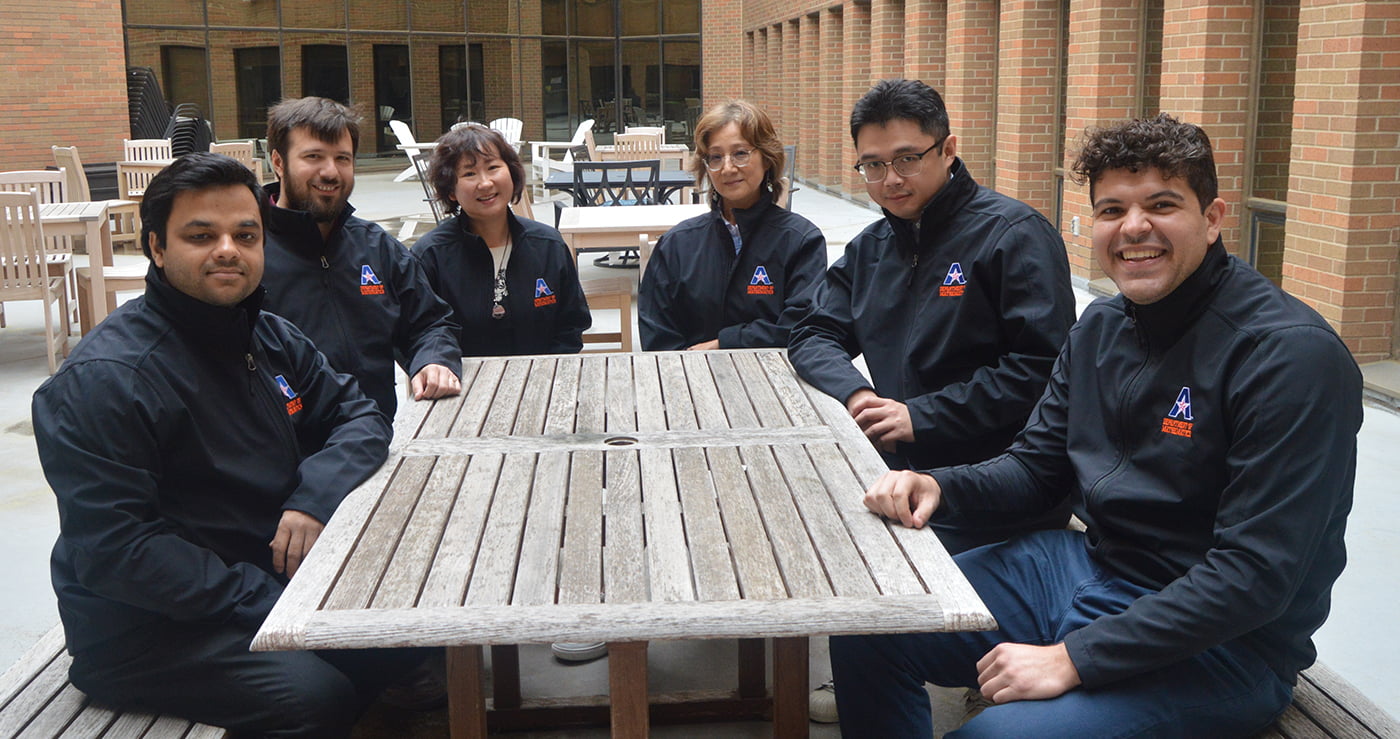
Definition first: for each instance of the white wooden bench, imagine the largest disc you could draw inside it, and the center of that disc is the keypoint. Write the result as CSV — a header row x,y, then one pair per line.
x,y
1325,705
36,700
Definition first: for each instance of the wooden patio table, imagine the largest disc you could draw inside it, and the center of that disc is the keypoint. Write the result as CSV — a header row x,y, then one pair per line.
x,y
621,498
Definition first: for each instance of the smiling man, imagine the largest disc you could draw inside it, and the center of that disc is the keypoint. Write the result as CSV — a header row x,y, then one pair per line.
x,y
196,446
959,298
1202,425
354,289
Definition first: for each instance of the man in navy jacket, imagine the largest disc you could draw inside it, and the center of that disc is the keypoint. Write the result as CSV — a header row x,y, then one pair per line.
x,y
351,287
1202,424
197,445
958,299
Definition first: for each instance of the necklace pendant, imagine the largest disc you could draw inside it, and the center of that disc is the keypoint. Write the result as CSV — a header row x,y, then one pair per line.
x,y
498,311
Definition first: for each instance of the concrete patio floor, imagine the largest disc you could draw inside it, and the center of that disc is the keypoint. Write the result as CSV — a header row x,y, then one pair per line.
x,y
1353,642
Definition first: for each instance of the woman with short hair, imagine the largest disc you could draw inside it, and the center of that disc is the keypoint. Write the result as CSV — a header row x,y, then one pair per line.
x,y
736,276
511,282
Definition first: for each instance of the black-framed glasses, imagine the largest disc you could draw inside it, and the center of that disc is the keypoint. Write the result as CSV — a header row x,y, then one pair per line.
x,y
907,165
741,158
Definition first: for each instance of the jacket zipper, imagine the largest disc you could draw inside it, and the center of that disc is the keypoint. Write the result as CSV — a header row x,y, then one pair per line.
x,y
913,268
1123,402
281,420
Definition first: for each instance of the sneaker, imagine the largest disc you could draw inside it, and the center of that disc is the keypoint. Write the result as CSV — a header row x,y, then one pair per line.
x,y
973,704
821,704
578,652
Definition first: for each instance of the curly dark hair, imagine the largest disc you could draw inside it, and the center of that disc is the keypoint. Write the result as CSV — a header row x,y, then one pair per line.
x,y
469,141
1163,143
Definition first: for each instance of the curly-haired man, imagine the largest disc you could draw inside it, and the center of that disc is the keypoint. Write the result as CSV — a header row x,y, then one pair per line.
x,y
1202,424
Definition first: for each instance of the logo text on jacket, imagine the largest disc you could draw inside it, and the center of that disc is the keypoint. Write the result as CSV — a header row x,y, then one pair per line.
x,y
369,282
1178,420
954,284
293,400
760,283
543,295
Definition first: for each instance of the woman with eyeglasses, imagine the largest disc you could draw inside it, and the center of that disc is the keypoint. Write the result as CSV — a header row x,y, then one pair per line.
x,y
733,277
511,282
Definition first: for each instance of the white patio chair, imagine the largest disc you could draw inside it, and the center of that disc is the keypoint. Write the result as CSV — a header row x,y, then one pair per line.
x,y
29,270
410,148
542,152
510,128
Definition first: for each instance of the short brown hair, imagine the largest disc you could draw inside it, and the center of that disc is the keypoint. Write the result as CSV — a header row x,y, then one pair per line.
x,y
326,119
469,141
755,127
1174,148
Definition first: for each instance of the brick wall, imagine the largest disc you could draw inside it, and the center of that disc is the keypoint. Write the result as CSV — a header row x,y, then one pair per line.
x,y
1344,204
1026,124
970,91
925,36
65,83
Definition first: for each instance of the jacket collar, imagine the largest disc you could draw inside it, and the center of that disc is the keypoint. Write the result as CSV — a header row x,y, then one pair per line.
x,y
1165,320
942,208
517,230
746,218
220,331
300,230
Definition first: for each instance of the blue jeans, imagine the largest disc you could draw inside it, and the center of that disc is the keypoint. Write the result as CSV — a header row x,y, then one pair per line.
x,y
1040,587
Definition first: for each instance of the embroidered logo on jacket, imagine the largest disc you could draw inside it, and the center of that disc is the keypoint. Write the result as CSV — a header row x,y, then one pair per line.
x,y
293,400
954,284
760,284
543,295
369,282
1178,420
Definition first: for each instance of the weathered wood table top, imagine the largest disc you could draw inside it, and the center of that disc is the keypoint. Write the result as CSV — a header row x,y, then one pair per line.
x,y
620,498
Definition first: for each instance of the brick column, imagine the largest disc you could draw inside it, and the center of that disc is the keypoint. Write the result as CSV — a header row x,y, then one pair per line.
x,y
1026,93
1103,62
886,39
856,80
970,91
1206,48
724,47
1343,227
774,74
830,92
809,139
925,41
792,68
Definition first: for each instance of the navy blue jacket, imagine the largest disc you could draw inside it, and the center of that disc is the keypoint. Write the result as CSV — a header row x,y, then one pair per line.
x,y
961,320
360,296
174,437
546,312
1208,441
697,289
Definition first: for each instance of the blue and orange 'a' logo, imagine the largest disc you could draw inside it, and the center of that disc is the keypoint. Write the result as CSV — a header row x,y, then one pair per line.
x,y
1178,420
369,282
954,283
543,295
760,283
293,401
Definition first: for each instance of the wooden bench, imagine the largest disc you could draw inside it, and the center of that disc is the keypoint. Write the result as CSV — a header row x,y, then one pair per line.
x,y
1325,705
36,700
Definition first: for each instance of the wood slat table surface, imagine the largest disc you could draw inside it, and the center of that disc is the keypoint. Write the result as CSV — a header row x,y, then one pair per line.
x,y
609,229
620,498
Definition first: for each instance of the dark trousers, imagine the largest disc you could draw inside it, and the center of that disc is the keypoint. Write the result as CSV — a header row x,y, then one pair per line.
x,y
1040,587
205,673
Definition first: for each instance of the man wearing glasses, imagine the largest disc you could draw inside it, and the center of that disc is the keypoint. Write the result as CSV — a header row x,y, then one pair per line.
x,y
959,299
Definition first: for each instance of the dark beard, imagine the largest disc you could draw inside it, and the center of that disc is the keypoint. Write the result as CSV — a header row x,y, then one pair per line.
x,y
300,200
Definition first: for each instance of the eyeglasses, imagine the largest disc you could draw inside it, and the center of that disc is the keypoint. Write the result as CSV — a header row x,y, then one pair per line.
x,y
906,165
715,162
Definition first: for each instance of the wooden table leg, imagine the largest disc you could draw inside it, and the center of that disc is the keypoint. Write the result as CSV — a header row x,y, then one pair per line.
x,y
466,693
753,677
505,676
627,688
790,687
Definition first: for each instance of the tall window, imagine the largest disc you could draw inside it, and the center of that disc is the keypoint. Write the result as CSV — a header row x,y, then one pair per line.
x,y
258,73
325,71
462,84
1150,85
1271,135
185,73
393,90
